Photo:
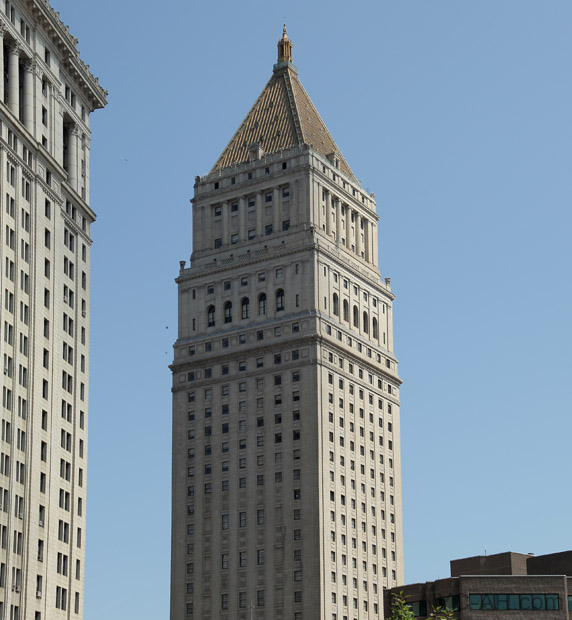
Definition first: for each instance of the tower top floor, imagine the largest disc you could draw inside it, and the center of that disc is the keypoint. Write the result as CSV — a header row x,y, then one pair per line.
x,y
43,39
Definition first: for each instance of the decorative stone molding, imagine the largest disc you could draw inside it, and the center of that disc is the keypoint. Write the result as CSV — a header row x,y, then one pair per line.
x,y
14,48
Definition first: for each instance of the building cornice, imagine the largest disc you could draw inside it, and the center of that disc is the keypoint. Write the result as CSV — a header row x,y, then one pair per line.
x,y
66,44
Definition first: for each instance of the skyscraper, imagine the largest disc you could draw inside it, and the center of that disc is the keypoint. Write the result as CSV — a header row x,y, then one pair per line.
x,y
286,448
46,96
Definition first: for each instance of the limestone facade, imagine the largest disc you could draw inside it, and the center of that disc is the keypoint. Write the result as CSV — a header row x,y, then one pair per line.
x,y
286,437
46,97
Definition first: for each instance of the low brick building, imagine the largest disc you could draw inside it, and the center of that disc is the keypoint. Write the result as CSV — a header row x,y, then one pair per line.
x,y
508,585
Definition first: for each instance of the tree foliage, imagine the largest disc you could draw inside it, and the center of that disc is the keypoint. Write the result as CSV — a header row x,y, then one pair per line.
x,y
401,610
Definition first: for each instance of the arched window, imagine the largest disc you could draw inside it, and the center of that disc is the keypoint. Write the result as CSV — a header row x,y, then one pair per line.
x,y
262,303
228,312
356,317
279,300
211,316
374,329
365,323
346,311
245,308
336,305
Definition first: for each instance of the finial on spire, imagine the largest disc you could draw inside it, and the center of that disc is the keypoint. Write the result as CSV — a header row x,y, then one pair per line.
x,y
284,47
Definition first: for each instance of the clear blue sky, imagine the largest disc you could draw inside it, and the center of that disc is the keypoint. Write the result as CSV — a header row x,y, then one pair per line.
x,y
457,115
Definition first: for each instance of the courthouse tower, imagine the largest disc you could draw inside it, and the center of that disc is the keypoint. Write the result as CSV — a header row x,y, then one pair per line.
x,y
46,96
286,447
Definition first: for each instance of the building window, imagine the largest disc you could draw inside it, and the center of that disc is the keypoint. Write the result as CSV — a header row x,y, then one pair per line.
x,y
245,308
228,312
336,305
211,316
279,300
262,304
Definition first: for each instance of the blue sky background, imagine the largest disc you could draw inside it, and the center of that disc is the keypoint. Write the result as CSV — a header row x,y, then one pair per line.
x,y
457,115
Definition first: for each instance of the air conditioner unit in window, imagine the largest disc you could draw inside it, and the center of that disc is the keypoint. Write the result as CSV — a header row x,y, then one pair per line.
x,y
41,523
15,588
38,594
83,313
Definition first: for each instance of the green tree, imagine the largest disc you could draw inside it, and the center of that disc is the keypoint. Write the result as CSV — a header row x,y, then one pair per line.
x,y
440,613
401,610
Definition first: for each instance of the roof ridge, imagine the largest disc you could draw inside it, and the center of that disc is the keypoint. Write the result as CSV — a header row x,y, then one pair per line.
x,y
294,108
338,152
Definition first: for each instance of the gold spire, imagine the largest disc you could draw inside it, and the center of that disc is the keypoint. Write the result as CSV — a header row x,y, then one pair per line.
x,y
284,47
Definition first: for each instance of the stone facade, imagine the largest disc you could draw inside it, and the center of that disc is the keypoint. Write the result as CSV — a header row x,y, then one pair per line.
x,y
46,97
286,441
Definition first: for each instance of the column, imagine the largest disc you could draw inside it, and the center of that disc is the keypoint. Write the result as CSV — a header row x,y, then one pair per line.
x,y
85,155
328,213
358,234
198,224
225,223
259,215
314,195
14,79
207,240
28,111
375,246
72,156
366,239
370,229
2,31
277,206
338,221
294,216
348,226
242,215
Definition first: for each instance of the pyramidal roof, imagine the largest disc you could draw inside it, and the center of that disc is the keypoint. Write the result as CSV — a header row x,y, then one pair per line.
x,y
282,117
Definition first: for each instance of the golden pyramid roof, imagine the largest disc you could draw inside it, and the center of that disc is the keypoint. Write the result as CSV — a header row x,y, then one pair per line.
x,y
282,117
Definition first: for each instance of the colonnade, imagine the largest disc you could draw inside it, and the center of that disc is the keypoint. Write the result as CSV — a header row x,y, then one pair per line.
x,y
246,204
13,95
338,222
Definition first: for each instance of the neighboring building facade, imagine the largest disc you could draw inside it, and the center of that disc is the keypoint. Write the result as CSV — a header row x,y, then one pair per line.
x,y
286,445
46,96
503,586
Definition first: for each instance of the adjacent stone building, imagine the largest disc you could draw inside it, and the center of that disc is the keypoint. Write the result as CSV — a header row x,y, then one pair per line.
x,y
504,586
286,441
46,96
